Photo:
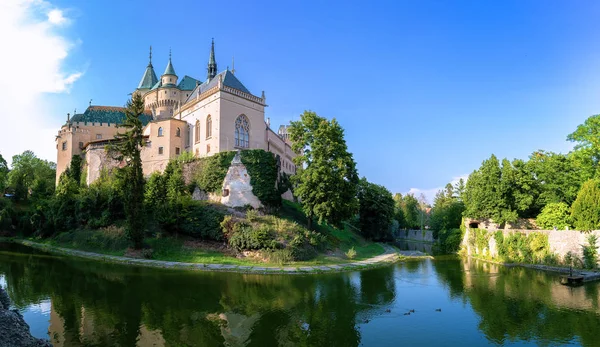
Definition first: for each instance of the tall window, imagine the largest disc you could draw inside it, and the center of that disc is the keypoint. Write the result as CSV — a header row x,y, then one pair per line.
x,y
188,138
160,131
242,132
178,132
197,136
208,126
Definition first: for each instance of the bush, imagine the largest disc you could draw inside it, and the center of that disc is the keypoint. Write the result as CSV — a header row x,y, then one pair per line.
x,y
245,237
586,208
521,248
555,214
449,240
351,254
280,256
590,252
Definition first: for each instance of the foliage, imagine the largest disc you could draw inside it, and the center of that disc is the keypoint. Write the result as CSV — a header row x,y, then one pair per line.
x,y
408,212
586,208
326,179
31,176
587,139
3,175
558,178
211,171
449,240
376,211
554,214
590,252
447,210
351,253
127,147
529,248
263,171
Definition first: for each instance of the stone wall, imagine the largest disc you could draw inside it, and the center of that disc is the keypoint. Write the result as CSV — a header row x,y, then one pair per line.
x,y
561,241
416,235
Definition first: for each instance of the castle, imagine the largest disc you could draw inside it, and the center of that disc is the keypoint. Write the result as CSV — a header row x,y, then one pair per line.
x,y
203,117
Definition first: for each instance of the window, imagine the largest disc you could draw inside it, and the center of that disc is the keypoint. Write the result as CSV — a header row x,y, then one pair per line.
x,y
160,131
64,146
208,126
160,150
177,150
208,148
242,132
178,132
80,145
98,136
197,138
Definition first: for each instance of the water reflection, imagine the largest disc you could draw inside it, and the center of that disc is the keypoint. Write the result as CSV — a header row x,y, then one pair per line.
x,y
92,304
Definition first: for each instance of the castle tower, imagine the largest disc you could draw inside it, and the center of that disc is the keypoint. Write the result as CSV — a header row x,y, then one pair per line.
x,y
169,77
149,78
212,64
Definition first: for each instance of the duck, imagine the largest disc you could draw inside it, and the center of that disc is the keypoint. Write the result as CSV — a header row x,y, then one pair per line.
x,y
438,310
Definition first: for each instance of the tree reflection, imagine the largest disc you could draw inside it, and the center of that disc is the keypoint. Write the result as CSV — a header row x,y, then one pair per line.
x,y
97,304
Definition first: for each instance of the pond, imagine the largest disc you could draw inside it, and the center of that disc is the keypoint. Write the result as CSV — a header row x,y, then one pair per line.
x,y
456,302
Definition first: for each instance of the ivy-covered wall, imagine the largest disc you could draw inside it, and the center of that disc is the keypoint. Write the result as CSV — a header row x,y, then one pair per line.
x,y
550,247
208,173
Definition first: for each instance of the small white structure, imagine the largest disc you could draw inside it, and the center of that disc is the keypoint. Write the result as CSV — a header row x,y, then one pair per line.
x,y
237,190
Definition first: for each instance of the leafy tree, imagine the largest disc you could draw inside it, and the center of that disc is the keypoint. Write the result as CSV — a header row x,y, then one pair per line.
x,y
376,210
410,211
127,148
326,179
586,208
75,168
555,214
447,210
587,139
483,195
3,175
31,176
557,178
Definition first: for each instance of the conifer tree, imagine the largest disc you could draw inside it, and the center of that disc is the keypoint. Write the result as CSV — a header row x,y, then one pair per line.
x,y
127,147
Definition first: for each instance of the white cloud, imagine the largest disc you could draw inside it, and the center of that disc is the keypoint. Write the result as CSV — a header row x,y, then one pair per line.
x,y
56,17
430,192
33,53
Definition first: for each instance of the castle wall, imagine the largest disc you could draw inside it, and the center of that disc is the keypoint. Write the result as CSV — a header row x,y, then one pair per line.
x,y
231,107
152,159
278,146
98,160
200,112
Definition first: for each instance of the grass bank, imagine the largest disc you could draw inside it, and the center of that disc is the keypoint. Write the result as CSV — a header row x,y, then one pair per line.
x,y
181,248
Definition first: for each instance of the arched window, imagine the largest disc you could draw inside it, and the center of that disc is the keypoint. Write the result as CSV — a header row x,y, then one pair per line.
x,y
197,137
178,132
160,131
242,131
208,126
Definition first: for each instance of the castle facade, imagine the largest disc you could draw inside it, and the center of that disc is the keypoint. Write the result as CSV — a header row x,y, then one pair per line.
x,y
182,115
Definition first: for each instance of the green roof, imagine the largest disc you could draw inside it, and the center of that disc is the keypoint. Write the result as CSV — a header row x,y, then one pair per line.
x,y
106,114
149,78
170,70
187,83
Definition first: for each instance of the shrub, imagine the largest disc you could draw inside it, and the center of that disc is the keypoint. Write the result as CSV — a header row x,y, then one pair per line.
x,y
351,254
449,240
281,256
590,252
246,237
586,208
555,214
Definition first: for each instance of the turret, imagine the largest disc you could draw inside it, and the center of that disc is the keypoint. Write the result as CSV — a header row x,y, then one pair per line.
x,y
149,79
169,77
212,64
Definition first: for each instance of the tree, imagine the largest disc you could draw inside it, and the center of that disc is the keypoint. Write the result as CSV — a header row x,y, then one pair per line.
x,y
326,179
483,196
3,175
587,139
398,212
447,210
127,147
586,208
554,215
557,177
410,211
31,176
376,210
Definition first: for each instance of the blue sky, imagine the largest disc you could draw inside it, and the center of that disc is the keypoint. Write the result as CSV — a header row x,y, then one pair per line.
x,y
426,90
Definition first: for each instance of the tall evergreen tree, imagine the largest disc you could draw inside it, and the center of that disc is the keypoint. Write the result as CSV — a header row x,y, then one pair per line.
x,y
326,179
376,210
127,147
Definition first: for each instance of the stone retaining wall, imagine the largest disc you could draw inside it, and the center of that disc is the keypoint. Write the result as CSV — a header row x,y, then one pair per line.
x,y
561,241
416,235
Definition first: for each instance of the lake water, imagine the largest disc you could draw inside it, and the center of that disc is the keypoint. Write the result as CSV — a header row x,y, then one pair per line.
x,y
75,302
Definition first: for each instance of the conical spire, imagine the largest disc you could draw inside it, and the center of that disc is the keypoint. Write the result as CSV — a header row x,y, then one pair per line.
x,y
170,70
212,64
149,79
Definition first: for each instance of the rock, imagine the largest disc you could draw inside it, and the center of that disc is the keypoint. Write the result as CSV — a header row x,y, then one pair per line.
x,y
14,332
